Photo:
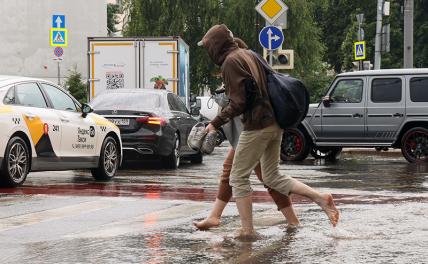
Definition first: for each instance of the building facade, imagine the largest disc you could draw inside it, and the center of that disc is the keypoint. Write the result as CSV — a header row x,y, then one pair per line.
x,y
25,41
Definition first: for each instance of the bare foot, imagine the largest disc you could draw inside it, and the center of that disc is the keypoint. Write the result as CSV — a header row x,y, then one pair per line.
x,y
207,223
246,235
327,204
293,226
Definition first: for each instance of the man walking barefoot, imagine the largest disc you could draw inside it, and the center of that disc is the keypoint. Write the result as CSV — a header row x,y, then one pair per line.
x,y
245,83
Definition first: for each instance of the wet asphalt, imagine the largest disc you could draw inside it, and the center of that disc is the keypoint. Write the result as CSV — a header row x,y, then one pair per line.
x,y
145,215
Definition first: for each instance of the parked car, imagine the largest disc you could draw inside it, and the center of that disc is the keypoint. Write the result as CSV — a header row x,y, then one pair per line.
x,y
378,108
154,124
45,128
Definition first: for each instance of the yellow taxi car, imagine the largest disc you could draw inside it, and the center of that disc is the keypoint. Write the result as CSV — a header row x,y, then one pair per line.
x,y
42,128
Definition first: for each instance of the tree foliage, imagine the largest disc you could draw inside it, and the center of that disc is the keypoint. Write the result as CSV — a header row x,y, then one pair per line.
x,y
191,19
76,86
112,18
321,33
337,18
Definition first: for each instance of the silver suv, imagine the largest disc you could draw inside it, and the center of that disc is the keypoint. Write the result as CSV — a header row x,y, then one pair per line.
x,y
380,108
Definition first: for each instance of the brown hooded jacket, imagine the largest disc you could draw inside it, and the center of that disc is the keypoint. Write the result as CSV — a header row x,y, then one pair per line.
x,y
237,66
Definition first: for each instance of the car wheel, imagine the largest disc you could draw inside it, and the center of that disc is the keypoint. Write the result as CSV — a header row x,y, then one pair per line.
x,y
16,163
173,160
295,145
197,158
414,145
326,153
109,160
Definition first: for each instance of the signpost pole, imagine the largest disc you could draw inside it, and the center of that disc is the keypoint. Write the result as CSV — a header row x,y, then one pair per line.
x,y
360,19
271,10
59,73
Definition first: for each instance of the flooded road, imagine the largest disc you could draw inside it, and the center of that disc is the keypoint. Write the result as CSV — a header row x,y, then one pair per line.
x,y
144,216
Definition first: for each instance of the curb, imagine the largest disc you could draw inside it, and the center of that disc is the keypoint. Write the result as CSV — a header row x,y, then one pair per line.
x,y
372,151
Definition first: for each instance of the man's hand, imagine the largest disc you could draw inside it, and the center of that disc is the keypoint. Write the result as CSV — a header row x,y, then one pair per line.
x,y
210,128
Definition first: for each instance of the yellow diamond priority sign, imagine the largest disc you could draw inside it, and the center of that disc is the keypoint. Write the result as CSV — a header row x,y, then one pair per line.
x,y
271,10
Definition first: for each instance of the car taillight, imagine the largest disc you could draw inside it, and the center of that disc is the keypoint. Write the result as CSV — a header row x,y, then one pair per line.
x,y
151,120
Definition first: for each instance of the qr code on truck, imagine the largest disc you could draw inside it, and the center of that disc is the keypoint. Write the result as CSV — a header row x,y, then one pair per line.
x,y
115,80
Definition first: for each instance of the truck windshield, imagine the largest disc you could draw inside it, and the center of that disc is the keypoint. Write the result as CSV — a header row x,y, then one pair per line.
x,y
126,101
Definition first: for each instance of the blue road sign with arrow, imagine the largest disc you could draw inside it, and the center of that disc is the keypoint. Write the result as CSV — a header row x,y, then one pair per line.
x,y
271,37
58,21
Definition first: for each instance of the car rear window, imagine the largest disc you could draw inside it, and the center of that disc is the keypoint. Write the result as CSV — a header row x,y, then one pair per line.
x,y
29,94
126,101
419,89
386,90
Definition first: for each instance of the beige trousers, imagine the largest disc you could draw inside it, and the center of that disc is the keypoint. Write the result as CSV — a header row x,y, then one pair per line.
x,y
262,145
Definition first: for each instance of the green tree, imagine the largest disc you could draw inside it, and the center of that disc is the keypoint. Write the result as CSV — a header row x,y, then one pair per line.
x,y
421,34
76,86
112,18
304,36
188,19
191,19
339,31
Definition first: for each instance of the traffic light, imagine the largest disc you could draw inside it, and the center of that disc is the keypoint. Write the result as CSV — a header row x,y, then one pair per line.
x,y
281,59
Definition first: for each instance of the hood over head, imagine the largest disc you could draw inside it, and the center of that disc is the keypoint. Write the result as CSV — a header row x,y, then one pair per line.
x,y
219,43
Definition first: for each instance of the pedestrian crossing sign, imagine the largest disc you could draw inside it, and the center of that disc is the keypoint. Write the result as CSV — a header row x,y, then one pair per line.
x,y
58,37
360,50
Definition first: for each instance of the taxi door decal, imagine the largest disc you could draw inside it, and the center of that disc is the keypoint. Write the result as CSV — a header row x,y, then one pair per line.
x,y
40,135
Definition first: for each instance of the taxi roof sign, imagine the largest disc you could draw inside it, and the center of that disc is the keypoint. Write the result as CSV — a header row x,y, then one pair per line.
x,y
271,10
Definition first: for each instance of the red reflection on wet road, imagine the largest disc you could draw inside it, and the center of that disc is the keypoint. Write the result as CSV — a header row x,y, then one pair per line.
x,y
148,191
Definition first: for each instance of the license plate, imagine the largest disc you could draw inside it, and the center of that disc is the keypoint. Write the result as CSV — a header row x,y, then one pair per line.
x,y
120,122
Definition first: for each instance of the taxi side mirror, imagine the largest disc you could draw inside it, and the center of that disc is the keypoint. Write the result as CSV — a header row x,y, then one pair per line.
x,y
86,109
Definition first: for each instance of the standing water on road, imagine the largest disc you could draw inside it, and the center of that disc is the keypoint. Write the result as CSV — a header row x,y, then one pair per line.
x,y
145,216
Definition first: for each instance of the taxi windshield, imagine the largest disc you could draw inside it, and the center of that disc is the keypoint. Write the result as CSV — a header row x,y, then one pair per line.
x,y
126,101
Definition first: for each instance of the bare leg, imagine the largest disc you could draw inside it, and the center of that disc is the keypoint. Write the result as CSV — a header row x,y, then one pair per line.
x,y
325,201
213,219
290,215
223,196
245,209
282,201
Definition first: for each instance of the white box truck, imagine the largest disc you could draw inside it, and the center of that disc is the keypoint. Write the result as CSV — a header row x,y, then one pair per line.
x,y
147,63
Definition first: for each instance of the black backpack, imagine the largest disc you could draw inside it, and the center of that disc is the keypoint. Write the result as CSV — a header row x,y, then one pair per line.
x,y
288,96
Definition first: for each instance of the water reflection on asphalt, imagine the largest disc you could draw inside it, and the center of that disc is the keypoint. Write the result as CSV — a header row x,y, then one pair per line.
x,y
383,201
393,233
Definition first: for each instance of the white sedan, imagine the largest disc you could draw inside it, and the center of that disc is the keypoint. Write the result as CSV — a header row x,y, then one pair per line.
x,y
42,127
